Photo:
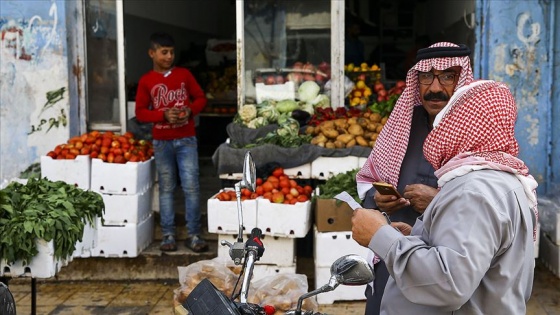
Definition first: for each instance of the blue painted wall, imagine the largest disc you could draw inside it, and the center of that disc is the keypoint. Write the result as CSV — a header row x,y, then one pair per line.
x,y
515,45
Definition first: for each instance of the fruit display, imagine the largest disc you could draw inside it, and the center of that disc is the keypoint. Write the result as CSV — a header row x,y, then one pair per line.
x,y
107,146
298,73
364,77
277,188
221,85
346,132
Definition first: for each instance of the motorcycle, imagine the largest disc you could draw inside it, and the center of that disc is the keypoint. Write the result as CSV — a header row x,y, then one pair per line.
x,y
206,299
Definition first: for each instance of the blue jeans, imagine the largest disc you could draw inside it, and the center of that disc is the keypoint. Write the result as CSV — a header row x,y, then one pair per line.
x,y
171,156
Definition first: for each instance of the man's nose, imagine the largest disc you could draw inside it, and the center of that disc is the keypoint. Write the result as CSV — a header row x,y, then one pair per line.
x,y
435,86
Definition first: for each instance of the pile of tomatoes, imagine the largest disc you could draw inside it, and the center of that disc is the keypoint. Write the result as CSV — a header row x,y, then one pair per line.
x,y
277,188
107,146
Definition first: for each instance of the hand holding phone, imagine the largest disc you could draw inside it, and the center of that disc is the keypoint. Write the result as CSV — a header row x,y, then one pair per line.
x,y
386,189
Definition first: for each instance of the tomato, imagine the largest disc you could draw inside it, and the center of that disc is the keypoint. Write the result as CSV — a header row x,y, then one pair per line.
x,y
278,172
285,190
245,192
254,195
302,198
52,154
259,181
267,186
308,190
259,190
284,183
268,195
293,183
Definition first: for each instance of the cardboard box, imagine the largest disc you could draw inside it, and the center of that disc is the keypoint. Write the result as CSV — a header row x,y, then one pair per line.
x,y
330,217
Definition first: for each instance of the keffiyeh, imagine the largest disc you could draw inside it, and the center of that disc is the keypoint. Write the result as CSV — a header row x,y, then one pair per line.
x,y
475,131
385,159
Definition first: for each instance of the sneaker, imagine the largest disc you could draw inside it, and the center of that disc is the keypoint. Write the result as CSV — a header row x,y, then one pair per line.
x,y
168,244
196,244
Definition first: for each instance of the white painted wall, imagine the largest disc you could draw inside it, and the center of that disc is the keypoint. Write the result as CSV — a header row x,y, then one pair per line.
x,y
33,61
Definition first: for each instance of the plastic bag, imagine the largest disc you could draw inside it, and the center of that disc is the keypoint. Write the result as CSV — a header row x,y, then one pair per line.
x,y
281,291
190,276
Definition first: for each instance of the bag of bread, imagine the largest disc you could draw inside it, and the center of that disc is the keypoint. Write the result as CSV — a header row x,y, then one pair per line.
x,y
281,291
214,270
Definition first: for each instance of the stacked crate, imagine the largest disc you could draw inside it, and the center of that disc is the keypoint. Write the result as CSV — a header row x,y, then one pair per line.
x,y
127,225
75,172
281,224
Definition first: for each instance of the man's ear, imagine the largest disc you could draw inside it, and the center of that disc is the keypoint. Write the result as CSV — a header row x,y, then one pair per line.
x,y
151,53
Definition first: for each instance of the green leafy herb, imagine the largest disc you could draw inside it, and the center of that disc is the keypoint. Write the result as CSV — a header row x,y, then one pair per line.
x,y
42,209
339,183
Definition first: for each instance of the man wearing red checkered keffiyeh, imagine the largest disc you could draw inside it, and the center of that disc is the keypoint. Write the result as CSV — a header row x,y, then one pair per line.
x,y
397,156
472,250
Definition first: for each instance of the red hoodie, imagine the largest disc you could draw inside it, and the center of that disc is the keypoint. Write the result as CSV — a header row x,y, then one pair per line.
x,y
158,92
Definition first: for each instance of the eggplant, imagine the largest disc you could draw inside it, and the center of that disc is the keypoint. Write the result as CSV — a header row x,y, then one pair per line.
x,y
301,116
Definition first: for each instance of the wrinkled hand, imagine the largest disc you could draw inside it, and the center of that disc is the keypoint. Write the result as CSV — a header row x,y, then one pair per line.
x,y
388,203
365,223
404,228
419,196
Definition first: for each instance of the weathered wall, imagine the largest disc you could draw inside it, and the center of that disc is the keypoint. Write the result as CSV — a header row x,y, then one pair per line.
x,y
515,45
34,105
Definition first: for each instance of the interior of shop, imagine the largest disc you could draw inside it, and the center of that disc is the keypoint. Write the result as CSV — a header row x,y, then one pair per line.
x,y
389,32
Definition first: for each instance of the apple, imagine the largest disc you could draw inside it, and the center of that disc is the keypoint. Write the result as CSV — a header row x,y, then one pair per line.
x,y
269,80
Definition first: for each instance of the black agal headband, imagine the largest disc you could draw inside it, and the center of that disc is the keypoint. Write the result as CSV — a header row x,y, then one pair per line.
x,y
438,52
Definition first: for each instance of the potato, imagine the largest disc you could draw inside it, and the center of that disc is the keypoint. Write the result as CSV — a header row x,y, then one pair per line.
x,y
384,120
345,138
356,130
341,123
330,133
372,126
361,141
318,139
310,130
362,122
339,144
327,124
330,145
351,143
352,120
375,117
379,127
373,136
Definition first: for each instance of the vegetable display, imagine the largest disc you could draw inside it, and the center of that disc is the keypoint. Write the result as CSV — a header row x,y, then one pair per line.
x,y
107,146
42,209
339,183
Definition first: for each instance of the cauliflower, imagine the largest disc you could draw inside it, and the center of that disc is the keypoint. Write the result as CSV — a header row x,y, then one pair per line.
x,y
247,113
257,123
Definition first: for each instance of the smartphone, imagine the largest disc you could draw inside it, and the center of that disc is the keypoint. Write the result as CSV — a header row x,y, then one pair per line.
x,y
386,189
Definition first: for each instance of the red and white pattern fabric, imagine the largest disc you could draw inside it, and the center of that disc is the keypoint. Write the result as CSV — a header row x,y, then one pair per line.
x,y
385,159
476,130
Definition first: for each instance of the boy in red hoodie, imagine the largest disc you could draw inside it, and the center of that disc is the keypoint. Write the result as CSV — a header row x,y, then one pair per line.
x,y
169,97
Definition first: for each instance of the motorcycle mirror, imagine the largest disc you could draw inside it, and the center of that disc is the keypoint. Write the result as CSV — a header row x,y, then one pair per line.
x,y
249,173
352,269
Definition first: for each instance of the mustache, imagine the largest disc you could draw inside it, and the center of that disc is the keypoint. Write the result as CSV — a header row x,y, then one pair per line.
x,y
440,96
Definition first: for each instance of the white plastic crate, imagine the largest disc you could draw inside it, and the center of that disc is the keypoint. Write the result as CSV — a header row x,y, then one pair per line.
x,y
278,251
326,167
361,161
329,246
301,172
550,254
341,293
89,239
124,179
278,92
261,271
278,219
122,209
125,240
43,265
74,172
223,217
